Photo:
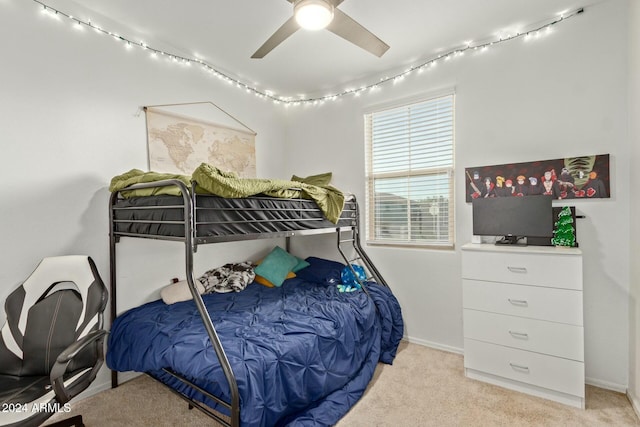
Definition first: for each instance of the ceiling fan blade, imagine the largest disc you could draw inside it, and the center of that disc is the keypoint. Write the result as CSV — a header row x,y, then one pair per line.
x,y
281,34
345,27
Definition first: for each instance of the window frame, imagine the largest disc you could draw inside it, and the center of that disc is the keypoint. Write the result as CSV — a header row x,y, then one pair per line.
x,y
406,173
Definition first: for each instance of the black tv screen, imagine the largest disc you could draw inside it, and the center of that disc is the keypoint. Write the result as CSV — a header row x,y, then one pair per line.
x,y
513,217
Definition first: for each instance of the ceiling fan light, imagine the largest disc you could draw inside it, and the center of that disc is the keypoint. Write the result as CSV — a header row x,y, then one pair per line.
x,y
313,14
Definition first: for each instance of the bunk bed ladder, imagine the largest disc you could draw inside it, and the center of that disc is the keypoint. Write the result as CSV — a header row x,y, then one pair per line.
x,y
352,241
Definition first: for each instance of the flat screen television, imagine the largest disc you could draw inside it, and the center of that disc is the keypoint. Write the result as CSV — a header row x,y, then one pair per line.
x,y
513,218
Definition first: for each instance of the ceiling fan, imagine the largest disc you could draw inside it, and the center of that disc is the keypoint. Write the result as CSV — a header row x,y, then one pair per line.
x,y
318,14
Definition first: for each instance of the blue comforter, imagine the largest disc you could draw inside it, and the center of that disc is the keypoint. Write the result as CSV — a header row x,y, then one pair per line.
x,y
302,354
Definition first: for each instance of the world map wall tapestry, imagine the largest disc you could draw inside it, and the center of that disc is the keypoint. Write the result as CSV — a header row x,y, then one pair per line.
x,y
179,144
584,177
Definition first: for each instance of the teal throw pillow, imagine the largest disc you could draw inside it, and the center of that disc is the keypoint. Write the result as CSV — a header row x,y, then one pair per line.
x,y
275,266
300,265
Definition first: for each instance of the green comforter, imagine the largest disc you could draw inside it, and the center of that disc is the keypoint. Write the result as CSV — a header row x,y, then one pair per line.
x,y
136,176
211,180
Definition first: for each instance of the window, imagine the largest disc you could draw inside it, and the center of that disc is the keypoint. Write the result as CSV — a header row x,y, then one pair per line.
x,y
409,156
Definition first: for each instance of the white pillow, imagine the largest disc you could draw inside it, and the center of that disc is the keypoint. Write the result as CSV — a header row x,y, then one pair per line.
x,y
179,291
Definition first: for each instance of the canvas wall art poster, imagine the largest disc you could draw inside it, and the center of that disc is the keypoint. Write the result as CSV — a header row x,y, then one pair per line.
x,y
583,177
179,144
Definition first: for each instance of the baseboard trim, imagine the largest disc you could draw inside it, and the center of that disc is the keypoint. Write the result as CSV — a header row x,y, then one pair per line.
x,y
434,345
620,388
635,403
96,387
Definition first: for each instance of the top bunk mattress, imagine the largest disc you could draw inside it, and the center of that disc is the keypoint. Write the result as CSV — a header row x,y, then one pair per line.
x,y
218,218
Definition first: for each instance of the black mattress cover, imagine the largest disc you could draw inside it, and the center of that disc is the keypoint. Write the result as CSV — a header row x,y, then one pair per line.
x,y
218,216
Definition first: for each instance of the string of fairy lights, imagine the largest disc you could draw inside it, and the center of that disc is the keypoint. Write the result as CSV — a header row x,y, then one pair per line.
x,y
468,47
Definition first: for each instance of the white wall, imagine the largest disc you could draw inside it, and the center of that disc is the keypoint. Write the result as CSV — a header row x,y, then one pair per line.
x,y
634,142
558,96
69,123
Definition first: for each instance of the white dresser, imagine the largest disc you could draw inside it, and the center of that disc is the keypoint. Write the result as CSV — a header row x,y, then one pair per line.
x,y
523,322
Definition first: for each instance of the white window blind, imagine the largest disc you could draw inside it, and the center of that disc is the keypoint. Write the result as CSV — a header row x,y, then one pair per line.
x,y
409,156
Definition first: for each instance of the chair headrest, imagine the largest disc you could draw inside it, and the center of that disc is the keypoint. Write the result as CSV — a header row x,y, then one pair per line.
x,y
52,270
78,269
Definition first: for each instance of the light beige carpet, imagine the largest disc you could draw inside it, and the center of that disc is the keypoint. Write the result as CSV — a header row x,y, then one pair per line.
x,y
424,387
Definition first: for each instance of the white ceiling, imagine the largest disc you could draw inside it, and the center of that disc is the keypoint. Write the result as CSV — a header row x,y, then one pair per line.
x,y
226,33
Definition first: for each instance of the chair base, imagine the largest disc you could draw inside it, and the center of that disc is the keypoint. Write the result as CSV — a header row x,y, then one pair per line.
x,y
69,422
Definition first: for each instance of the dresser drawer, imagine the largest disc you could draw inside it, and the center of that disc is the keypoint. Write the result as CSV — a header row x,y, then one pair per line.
x,y
556,305
555,373
554,339
528,268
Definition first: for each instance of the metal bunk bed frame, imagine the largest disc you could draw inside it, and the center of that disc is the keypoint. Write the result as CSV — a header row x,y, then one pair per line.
x,y
191,242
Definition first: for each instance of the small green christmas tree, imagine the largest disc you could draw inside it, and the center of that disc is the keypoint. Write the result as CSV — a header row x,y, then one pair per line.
x,y
564,233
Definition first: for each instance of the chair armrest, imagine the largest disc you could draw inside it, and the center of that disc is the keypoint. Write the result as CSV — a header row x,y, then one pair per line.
x,y
60,367
72,351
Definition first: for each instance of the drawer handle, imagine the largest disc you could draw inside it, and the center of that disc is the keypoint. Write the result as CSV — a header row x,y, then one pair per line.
x,y
519,367
517,269
521,302
520,335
